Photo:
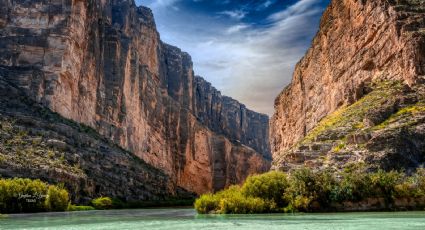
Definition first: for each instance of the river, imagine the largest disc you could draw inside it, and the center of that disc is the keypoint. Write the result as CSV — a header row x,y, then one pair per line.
x,y
186,219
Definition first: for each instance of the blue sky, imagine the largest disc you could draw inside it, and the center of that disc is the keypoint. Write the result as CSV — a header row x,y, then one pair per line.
x,y
247,48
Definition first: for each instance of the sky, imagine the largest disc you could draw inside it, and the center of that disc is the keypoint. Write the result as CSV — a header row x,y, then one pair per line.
x,y
246,48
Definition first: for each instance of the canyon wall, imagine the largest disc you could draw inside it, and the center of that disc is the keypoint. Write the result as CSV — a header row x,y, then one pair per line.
x,y
358,44
102,63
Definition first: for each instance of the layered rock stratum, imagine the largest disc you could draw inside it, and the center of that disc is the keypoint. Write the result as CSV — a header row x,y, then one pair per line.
x,y
102,63
358,93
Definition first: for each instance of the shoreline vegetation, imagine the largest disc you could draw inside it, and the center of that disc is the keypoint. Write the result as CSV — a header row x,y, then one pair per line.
x,y
21,195
302,190
305,190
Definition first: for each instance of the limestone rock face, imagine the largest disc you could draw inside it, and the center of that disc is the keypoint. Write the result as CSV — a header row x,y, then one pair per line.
x,y
359,43
37,143
102,63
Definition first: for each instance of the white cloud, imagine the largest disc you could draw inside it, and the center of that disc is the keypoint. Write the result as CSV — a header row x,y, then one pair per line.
x,y
162,3
266,4
298,8
235,14
236,28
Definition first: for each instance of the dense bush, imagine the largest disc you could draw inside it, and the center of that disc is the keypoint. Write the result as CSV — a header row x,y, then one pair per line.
x,y
233,201
304,190
243,205
419,182
354,185
269,186
57,199
307,186
102,203
384,183
207,203
26,195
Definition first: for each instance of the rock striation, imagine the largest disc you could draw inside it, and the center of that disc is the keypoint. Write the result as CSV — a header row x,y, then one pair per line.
x,y
37,143
366,62
102,63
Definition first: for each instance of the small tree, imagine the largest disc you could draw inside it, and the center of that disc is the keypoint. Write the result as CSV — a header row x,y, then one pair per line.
x,y
57,199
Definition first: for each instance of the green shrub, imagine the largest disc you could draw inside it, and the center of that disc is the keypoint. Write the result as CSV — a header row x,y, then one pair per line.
x,y
207,203
413,186
25,195
354,185
305,190
102,203
22,195
307,186
405,189
233,201
74,208
384,183
419,180
210,203
269,186
243,205
57,199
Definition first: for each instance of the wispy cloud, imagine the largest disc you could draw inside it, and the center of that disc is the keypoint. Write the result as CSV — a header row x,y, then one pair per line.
x,y
266,4
159,3
236,28
235,14
258,63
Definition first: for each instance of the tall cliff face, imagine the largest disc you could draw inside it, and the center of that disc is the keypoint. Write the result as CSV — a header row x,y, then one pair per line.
x,y
37,143
359,44
102,63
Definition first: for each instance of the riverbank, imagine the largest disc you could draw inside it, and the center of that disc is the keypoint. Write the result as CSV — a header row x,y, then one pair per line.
x,y
22,195
304,190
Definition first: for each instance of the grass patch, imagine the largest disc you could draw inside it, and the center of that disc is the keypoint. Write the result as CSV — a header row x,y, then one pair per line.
x,y
77,208
102,203
406,112
339,147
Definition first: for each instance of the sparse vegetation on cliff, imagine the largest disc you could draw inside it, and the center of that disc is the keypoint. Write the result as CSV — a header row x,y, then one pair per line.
x,y
23,149
351,118
306,190
379,130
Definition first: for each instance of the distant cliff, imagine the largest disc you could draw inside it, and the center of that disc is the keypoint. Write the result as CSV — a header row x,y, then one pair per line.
x,y
102,63
357,95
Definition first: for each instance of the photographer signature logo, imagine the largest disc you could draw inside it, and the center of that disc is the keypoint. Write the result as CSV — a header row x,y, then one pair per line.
x,y
31,198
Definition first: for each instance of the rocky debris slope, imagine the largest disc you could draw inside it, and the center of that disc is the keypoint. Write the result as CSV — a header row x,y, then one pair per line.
x,y
357,95
385,129
102,63
37,143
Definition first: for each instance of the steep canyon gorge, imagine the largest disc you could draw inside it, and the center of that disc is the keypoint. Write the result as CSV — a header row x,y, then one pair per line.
x,y
91,97
93,82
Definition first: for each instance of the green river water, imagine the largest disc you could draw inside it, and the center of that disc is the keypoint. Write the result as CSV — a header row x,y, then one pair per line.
x,y
185,219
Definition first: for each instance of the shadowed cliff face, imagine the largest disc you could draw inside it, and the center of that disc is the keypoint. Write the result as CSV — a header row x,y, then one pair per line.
x,y
102,63
361,47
